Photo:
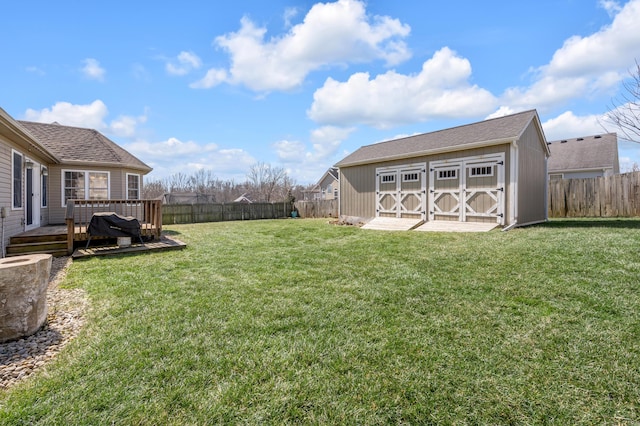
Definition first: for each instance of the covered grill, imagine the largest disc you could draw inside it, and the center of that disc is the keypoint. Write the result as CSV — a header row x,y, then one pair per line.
x,y
109,224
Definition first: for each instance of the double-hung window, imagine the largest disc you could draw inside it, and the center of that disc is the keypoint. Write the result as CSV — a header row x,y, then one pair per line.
x,y
16,180
85,185
133,187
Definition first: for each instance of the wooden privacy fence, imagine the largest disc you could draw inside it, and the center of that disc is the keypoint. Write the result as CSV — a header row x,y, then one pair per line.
x,y
318,208
220,212
610,196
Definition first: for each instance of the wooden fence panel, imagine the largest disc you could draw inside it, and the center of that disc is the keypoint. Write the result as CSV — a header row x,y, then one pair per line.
x,y
318,208
610,196
220,212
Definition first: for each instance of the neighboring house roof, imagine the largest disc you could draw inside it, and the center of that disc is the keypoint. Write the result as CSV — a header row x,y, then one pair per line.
x,y
82,146
243,199
488,132
333,172
596,152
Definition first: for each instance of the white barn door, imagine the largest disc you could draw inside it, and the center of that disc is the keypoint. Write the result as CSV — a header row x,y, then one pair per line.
x,y
469,189
401,191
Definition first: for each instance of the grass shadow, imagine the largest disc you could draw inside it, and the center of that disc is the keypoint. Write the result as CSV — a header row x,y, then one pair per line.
x,y
613,223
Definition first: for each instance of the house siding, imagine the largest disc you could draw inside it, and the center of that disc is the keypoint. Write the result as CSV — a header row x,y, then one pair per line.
x,y
358,183
117,187
14,223
532,176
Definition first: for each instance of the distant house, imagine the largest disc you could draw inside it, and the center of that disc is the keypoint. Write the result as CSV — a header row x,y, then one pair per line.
x,y
44,165
493,171
584,157
327,188
244,199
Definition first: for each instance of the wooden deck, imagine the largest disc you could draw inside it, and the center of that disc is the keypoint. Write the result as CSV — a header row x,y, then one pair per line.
x,y
53,239
165,243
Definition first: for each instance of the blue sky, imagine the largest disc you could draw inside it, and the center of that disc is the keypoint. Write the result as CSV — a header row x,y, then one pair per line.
x,y
300,84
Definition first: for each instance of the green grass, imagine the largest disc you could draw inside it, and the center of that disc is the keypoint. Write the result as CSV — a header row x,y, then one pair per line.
x,y
299,321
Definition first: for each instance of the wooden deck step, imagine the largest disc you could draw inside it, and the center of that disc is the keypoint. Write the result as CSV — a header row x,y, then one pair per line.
x,y
56,248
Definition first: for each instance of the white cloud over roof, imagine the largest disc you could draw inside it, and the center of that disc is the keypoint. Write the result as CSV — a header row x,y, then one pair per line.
x,y
440,90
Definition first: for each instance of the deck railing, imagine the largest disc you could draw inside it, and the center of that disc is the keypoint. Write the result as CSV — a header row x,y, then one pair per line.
x,y
79,213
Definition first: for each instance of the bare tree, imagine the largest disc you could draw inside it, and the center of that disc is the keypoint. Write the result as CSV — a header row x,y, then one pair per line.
x,y
203,182
265,181
153,189
178,182
624,112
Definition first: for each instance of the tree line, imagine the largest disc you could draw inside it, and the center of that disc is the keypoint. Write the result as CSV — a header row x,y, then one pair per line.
x,y
263,183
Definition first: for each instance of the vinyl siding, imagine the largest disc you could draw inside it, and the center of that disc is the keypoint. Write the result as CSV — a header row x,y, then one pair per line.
x,y
532,176
117,187
14,223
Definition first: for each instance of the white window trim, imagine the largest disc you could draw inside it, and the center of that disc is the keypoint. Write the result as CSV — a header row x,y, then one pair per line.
x,y
13,152
411,172
478,165
44,205
455,174
383,175
139,186
86,183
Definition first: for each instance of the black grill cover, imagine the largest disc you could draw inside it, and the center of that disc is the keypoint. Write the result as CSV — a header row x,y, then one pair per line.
x,y
109,224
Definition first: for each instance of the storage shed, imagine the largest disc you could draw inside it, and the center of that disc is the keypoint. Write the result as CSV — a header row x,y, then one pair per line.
x,y
492,171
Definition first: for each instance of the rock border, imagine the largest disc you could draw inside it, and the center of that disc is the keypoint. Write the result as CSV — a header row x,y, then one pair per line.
x,y
67,309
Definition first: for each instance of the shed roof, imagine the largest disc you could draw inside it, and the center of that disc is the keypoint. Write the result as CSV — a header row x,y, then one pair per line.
x,y
81,145
483,133
584,153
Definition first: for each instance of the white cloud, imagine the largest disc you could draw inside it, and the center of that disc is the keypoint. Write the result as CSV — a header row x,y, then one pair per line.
x,y
35,70
127,125
184,64
612,7
211,79
173,156
289,14
568,125
92,69
90,116
440,90
584,66
289,151
330,34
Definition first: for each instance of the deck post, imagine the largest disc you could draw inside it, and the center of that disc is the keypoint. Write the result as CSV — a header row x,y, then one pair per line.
x,y
70,226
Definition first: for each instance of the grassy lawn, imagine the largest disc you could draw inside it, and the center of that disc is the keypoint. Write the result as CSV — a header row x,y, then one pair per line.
x,y
299,321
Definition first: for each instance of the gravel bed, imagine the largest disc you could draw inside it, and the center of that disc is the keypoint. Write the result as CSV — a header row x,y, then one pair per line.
x,y
66,315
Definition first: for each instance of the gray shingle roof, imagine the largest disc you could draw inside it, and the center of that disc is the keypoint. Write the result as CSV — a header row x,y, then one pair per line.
x,y
504,129
76,144
587,152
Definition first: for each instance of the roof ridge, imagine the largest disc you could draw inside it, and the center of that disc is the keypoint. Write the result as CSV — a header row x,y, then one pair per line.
x,y
460,126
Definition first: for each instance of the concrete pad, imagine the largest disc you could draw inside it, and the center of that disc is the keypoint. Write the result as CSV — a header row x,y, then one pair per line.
x,y
455,226
392,224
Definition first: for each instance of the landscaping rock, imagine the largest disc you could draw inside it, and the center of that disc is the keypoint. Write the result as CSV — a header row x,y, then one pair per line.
x,y
19,359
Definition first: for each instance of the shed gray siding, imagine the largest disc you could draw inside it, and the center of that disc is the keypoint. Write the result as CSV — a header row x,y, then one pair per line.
x,y
532,177
358,183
